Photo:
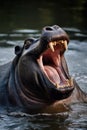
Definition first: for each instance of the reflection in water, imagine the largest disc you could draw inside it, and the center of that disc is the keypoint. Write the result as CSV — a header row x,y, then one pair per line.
x,y
77,119
19,20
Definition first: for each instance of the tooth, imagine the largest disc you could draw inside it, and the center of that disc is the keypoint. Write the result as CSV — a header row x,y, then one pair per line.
x,y
51,46
55,43
57,85
65,44
71,81
62,41
67,83
62,86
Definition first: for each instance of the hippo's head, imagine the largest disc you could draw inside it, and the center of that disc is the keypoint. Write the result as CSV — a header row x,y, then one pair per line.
x,y
41,73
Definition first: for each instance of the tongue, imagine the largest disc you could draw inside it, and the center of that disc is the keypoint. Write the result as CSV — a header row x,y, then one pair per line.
x,y
52,74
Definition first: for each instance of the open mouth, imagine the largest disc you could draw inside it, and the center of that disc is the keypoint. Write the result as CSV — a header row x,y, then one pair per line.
x,y
51,64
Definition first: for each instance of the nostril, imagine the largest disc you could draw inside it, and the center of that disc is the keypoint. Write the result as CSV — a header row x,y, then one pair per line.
x,y
56,27
51,28
48,29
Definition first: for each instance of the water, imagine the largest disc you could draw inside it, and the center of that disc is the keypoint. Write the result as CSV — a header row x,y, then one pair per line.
x,y
19,20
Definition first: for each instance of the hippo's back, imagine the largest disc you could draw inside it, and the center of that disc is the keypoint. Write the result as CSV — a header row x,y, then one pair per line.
x,y
4,77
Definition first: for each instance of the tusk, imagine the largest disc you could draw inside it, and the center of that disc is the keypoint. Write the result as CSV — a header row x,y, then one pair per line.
x,y
65,45
51,46
71,81
57,85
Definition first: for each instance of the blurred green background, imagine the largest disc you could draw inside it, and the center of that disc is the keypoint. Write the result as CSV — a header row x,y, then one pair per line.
x,y
21,14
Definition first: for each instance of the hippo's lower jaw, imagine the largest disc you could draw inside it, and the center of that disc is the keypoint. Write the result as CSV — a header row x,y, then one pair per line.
x,y
51,64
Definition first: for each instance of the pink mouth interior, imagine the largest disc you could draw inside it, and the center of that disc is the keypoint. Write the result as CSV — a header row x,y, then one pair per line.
x,y
50,63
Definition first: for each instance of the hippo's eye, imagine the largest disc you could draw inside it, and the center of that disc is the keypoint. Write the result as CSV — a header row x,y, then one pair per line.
x,y
28,42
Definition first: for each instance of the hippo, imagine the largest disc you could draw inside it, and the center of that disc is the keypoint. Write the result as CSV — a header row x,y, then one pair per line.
x,y
37,79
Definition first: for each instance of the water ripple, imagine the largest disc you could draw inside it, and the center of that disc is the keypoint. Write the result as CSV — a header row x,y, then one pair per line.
x,y
25,31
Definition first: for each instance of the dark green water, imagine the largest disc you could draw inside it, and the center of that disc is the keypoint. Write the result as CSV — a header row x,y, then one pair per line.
x,y
21,14
22,19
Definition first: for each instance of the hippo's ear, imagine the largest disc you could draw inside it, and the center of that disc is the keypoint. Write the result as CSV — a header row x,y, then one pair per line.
x,y
18,50
28,42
